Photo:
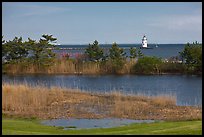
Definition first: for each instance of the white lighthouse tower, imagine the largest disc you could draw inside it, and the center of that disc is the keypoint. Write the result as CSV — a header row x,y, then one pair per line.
x,y
144,42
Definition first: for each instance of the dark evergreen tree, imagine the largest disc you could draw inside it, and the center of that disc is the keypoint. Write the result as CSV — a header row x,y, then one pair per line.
x,y
133,53
117,57
14,50
192,56
94,52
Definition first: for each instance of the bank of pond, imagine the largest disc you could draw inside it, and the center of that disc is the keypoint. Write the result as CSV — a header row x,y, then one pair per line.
x,y
20,126
49,109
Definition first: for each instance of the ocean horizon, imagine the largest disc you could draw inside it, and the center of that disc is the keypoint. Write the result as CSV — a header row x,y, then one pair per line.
x,y
158,50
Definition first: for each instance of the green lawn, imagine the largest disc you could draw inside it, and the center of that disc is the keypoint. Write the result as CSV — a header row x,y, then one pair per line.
x,y
29,126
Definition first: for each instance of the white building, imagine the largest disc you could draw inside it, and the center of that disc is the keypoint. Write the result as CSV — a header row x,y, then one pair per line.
x,y
144,42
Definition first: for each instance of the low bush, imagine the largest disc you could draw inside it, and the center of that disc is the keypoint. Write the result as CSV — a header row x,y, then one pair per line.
x,y
147,65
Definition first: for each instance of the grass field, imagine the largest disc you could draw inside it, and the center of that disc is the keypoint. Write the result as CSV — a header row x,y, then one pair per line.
x,y
32,126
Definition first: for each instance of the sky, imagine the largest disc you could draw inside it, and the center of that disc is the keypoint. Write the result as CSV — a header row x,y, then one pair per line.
x,y
106,22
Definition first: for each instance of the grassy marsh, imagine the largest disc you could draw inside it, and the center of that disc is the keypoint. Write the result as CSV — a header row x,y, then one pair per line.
x,y
45,103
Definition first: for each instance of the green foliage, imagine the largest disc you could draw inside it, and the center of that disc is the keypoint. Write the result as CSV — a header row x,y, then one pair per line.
x,y
14,51
148,65
4,48
116,52
3,41
29,52
116,57
94,52
192,57
48,38
140,54
133,53
41,52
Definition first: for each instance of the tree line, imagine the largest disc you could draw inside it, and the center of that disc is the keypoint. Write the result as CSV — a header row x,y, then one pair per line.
x,y
41,54
32,51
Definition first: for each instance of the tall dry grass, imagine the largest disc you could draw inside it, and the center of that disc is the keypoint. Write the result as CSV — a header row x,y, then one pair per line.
x,y
55,102
67,66
59,66
26,99
137,105
39,101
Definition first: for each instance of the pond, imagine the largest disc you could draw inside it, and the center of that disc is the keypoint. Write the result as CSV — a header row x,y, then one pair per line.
x,y
186,88
91,123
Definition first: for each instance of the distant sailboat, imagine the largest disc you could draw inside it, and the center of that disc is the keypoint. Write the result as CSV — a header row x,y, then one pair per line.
x,y
156,46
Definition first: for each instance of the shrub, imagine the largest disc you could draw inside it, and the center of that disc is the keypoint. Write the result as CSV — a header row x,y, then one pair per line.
x,y
148,65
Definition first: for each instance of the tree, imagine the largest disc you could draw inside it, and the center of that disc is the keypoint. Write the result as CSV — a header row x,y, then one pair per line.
x,y
133,53
116,52
117,57
140,54
192,56
3,47
4,50
94,52
41,51
14,51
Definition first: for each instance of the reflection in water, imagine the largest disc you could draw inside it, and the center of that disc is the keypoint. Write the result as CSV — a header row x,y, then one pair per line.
x,y
187,89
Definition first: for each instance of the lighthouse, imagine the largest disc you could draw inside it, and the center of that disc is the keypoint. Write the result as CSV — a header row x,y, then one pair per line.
x,y
144,42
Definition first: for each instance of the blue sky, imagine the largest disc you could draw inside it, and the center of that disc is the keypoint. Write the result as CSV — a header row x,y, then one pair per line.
x,y
107,22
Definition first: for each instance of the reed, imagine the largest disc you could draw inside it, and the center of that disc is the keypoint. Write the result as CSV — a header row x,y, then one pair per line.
x,y
26,99
62,66
67,66
136,105
164,100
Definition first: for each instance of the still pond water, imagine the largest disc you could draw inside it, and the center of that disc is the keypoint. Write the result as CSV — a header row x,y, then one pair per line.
x,y
186,88
91,123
